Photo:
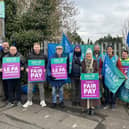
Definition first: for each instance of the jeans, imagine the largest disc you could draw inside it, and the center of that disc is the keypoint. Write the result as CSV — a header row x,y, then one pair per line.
x,y
41,90
54,94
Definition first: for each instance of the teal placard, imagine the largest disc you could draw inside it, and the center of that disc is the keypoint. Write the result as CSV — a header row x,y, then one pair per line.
x,y
125,62
2,9
89,76
36,62
58,60
11,59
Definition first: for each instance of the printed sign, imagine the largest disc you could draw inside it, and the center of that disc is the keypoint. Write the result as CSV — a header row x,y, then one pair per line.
x,y
36,71
11,68
59,68
90,86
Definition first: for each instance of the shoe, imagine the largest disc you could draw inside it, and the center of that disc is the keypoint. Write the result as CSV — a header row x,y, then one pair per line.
x,y
9,105
74,104
61,104
113,107
106,107
19,104
43,104
27,104
53,105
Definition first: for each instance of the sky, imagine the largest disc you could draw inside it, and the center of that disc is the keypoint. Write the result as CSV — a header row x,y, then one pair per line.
x,y
97,18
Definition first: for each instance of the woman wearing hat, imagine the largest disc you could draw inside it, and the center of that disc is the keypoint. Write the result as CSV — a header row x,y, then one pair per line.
x,y
89,65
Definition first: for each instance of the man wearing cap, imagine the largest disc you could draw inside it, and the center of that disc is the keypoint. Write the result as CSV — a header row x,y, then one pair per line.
x,y
57,85
110,98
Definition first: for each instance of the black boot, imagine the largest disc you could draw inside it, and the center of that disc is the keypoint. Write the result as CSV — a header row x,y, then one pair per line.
x,y
53,105
61,104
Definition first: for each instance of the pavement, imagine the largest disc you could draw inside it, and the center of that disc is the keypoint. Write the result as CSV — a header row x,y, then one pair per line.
x,y
36,117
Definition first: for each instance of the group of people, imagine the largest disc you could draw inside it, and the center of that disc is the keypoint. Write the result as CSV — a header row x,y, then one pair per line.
x,y
91,62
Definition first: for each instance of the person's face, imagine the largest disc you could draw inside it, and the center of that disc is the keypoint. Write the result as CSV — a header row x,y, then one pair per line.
x,y
36,49
13,50
97,49
5,46
124,55
89,56
109,51
59,51
77,49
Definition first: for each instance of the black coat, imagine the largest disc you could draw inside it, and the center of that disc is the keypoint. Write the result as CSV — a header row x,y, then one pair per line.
x,y
33,56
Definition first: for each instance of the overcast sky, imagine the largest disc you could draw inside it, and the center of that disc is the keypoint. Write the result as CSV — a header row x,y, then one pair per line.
x,y
97,18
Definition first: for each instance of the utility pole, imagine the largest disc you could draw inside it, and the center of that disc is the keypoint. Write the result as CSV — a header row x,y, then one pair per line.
x,y
2,20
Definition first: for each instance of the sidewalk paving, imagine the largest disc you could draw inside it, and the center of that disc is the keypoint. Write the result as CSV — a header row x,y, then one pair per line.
x,y
36,117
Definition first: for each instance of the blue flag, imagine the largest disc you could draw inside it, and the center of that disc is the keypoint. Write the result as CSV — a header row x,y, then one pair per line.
x,y
66,44
113,77
127,41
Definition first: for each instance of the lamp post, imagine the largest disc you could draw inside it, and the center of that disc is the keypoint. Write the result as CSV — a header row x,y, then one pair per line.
x,y
2,20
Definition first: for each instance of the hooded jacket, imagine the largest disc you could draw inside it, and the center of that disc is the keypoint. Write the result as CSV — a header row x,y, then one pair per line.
x,y
76,63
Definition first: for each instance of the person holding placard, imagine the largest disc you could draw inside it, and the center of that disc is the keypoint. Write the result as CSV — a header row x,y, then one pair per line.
x,y
13,63
35,66
125,61
4,88
57,74
89,65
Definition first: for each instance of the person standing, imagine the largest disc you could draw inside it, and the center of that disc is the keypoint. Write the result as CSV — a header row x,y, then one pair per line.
x,y
89,65
4,86
110,98
75,75
14,88
36,54
57,85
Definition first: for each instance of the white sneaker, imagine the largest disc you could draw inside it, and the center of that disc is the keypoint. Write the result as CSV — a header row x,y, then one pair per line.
x,y
27,104
43,104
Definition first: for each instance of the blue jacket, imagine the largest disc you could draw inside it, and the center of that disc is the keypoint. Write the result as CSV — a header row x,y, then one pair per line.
x,y
56,83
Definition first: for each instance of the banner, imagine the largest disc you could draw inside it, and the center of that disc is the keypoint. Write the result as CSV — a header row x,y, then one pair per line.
x,y
36,71
90,86
59,68
125,65
113,77
11,67
2,9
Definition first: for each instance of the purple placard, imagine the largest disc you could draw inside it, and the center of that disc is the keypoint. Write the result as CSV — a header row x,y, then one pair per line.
x,y
59,71
36,73
90,89
11,70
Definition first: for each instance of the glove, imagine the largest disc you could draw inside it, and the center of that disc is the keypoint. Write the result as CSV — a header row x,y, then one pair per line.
x,y
53,78
77,62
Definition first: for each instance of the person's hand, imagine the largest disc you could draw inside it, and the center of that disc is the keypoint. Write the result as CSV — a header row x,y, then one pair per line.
x,y
126,77
22,68
100,76
53,78
0,69
27,70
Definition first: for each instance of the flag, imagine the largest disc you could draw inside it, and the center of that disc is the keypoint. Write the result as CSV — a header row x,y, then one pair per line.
x,y
66,44
113,77
127,40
